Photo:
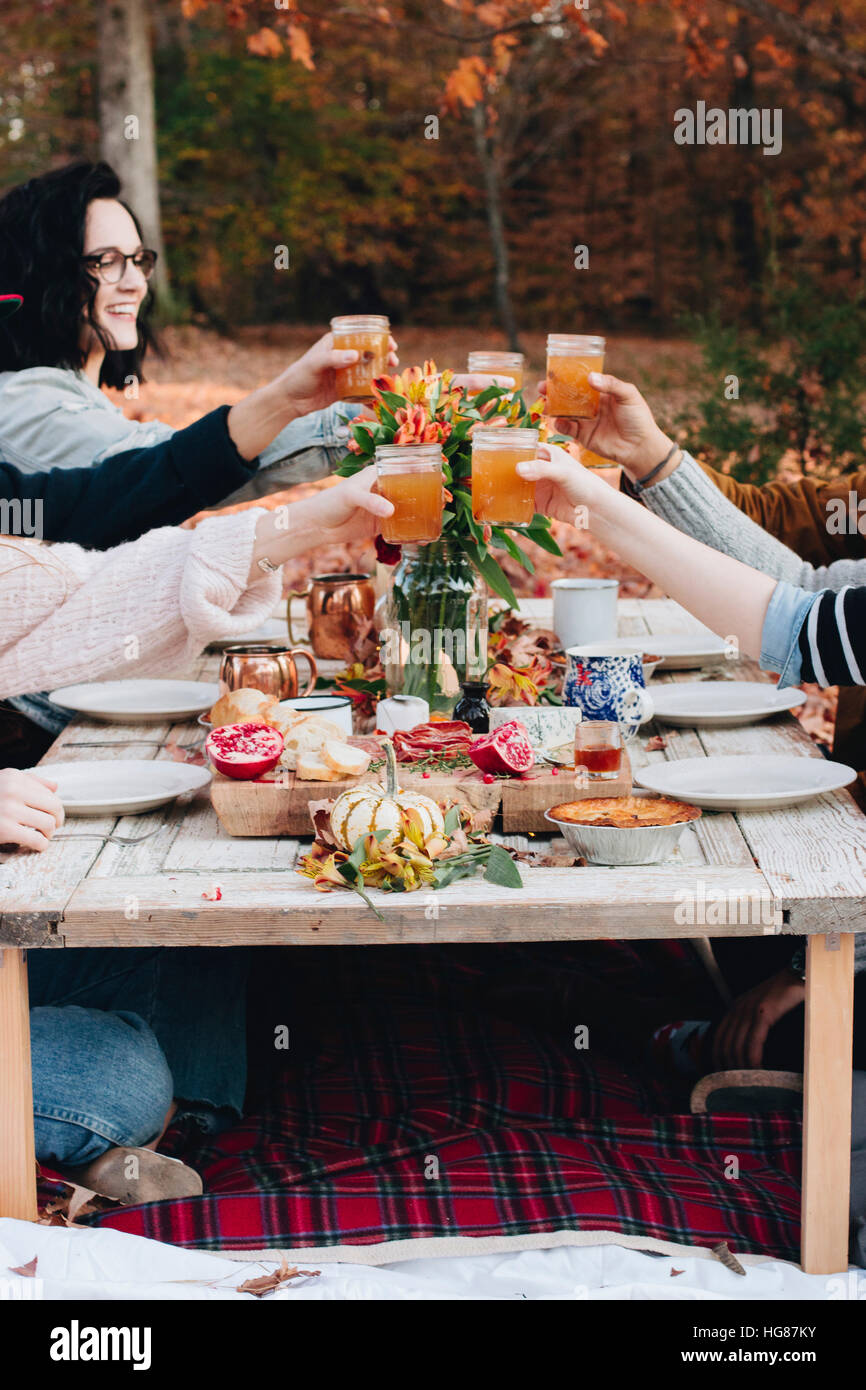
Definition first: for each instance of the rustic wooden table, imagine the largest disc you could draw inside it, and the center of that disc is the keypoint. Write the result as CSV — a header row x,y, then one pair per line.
x,y
804,868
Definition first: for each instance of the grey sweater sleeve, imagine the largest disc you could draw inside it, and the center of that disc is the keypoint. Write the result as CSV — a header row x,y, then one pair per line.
x,y
689,500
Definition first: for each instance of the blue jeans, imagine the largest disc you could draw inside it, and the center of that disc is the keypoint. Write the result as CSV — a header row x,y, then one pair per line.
x,y
115,1034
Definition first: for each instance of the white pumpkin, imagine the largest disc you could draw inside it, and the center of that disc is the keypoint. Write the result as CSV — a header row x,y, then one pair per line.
x,y
371,807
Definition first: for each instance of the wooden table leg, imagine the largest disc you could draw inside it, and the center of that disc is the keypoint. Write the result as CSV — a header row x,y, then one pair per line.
x,y
827,1103
17,1152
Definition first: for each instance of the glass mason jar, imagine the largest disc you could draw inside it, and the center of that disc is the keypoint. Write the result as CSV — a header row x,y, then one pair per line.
x,y
410,477
434,625
498,364
499,494
570,359
368,335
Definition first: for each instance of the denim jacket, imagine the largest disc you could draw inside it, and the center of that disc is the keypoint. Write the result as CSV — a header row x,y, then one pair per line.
x,y
51,417
56,418
787,611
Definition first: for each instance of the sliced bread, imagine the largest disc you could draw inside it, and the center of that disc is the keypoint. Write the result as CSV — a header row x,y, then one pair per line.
x,y
343,758
310,768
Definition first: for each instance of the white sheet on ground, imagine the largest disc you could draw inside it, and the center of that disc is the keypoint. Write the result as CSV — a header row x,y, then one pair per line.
x,y
104,1265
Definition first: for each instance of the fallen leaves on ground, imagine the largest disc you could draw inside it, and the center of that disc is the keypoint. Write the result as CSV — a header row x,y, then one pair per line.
x,y
728,1258
78,1201
267,1283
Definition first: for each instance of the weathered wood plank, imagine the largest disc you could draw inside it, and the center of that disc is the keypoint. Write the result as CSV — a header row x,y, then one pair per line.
x,y
556,904
813,856
827,1104
17,1151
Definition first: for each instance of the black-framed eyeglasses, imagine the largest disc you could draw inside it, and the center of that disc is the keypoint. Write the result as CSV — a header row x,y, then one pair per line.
x,y
110,266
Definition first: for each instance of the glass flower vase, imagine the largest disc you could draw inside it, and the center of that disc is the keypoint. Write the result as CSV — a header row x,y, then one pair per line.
x,y
434,625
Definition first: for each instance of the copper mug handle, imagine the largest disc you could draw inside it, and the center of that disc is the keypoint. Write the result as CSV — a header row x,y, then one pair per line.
x,y
296,593
314,670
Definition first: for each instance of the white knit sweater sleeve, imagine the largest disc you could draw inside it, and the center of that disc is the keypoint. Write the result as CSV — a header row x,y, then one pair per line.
x,y
144,608
690,500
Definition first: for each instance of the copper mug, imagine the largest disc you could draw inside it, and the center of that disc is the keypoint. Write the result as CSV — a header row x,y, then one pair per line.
x,y
339,607
269,669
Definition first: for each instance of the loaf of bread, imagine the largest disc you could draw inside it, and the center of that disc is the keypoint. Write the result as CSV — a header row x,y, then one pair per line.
x,y
244,706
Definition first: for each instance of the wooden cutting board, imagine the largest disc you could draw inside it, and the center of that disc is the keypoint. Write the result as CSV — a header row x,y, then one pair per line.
x,y
268,808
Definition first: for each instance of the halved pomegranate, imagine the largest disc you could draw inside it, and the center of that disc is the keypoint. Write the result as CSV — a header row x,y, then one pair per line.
x,y
244,751
507,749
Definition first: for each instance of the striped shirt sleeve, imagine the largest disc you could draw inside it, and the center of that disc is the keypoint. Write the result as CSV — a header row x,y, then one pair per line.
x,y
832,639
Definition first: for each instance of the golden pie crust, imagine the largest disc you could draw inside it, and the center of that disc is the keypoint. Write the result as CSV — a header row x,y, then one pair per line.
x,y
625,812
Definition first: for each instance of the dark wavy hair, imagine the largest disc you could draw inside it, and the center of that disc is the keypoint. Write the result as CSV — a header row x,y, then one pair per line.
x,y
41,245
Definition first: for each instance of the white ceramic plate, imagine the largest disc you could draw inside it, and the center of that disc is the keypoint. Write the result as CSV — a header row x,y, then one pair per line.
x,y
138,701
561,756
274,630
743,781
719,703
683,653
117,787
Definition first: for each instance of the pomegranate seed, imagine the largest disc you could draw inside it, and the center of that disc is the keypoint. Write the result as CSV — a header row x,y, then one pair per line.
x,y
425,774
554,772
488,778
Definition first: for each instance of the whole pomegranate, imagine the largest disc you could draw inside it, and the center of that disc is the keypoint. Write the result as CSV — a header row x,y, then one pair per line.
x,y
244,751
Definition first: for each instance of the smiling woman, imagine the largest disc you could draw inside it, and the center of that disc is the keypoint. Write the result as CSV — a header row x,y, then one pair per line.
x,y
51,231
76,253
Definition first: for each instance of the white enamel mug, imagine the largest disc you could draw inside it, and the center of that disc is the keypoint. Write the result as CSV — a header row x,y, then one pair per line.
x,y
337,708
584,610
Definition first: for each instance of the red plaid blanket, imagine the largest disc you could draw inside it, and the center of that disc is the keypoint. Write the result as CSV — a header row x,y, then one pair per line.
x,y
448,1091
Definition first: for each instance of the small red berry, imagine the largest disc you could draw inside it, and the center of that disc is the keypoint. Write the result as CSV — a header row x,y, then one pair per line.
x,y
554,772
488,778
425,774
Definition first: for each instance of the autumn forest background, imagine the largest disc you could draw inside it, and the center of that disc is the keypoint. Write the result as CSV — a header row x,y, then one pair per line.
x,y
443,162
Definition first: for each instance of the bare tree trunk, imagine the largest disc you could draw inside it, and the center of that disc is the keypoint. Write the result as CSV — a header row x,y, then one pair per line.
x,y
496,226
127,120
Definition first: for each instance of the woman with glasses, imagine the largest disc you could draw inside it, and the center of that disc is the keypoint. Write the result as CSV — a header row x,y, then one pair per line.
x,y
74,251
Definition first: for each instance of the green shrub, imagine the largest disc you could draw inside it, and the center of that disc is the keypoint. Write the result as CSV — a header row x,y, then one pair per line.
x,y
800,388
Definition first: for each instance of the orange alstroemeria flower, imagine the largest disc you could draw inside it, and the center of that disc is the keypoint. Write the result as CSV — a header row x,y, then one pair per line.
x,y
523,683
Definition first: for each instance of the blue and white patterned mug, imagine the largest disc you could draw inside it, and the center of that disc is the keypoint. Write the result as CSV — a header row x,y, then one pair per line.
x,y
607,685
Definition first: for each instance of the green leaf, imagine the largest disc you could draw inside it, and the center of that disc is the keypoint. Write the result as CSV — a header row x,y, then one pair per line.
x,y
538,531
393,401
452,820
358,855
514,550
490,571
352,463
501,869
490,393
451,871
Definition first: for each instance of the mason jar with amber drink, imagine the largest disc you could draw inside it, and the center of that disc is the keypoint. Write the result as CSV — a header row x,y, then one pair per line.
x,y
498,364
570,359
499,494
368,334
410,477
